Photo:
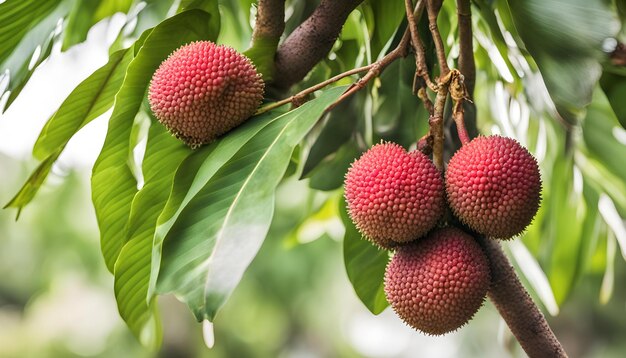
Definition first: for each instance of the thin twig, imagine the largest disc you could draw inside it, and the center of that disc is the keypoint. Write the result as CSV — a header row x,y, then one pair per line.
x,y
373,70
298,97
433,7
423,95
421,71
400,51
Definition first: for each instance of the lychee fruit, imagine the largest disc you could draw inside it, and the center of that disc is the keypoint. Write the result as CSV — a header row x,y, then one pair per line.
x,y
203,90
437,284
393,196
494,186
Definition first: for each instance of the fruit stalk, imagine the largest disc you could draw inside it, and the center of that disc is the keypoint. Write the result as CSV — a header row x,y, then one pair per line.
x,y
528,324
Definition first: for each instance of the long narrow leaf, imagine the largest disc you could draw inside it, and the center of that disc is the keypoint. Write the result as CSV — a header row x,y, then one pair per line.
x,y
113,184
221,229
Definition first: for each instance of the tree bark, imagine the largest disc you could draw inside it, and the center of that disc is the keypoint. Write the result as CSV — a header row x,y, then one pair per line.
x,y
517,308
311,41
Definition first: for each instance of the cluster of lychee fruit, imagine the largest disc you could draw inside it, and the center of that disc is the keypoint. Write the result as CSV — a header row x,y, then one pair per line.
x,y
438,276
203,90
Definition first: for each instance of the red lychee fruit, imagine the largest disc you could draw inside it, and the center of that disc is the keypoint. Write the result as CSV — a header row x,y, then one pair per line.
x,y
437,284
394,196
203,90
494,186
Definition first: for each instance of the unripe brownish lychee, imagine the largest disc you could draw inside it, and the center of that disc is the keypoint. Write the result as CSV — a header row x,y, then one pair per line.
x,y
437,284
394,196
203,90
494,186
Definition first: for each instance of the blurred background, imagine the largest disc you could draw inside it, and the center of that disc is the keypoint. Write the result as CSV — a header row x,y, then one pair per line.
x,y
56,296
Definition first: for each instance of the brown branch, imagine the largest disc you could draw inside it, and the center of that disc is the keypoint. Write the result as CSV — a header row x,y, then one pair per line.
x,y
373,70
517,308
421,72
377,67
466,47
435,123
299,97
311,41
270,20
433,7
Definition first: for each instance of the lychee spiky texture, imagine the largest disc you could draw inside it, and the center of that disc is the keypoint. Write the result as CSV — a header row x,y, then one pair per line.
x,y
437,284
494,186
394,196
203,90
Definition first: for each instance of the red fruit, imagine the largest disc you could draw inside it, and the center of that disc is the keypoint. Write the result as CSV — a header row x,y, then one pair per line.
x,y
494,186
203,90
394,196
437,284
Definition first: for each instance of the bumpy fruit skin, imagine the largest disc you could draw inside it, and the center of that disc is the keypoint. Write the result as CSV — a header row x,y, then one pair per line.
x,y
203,90
394,196
494,186
436,285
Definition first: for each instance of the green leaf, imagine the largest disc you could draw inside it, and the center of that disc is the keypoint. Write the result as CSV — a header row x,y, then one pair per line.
x,y
88,100
132,268
113,184
210,7
338,127
16,58
599,129
79,22
17,18
109,7
218,233
365,265
32,185
566,214
262,53
385,18
565,40
87,13
329,175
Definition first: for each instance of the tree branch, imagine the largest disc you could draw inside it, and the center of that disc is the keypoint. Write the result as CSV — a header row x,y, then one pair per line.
x,y
517,308
466,47
433,7
270,20
421,71
311,41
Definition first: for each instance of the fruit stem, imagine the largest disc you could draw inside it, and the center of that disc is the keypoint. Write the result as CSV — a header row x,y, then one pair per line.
x,y
459,94
458,115
435,123
517,308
